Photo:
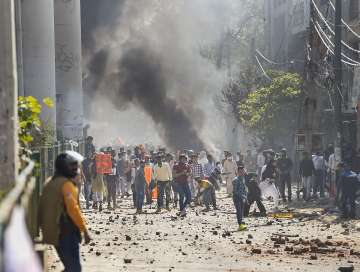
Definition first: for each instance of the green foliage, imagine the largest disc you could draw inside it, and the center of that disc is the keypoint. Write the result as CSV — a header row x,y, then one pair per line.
x,y
30,125
271,109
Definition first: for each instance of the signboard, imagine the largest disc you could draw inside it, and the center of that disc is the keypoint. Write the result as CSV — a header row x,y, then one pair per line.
x,y
103,163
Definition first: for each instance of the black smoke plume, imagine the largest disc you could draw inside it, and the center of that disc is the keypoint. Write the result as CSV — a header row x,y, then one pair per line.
x,y
141,79
142,82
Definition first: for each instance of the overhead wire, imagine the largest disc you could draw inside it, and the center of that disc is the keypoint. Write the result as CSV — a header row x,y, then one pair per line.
x,y
262,69
331,51
345,24
330,29
333,45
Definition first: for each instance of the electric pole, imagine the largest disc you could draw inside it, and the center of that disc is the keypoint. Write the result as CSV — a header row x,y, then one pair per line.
x,y
338,80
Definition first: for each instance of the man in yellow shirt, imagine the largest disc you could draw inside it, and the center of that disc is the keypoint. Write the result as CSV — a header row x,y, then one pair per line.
x,y
60,217
162,177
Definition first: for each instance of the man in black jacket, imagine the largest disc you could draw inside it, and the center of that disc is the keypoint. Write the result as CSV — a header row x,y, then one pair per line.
x,y
253,195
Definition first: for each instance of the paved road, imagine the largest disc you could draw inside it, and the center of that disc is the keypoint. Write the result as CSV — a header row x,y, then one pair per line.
x,y
209,242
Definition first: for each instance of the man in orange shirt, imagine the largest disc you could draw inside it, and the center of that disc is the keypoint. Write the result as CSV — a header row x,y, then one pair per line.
x,y
60,217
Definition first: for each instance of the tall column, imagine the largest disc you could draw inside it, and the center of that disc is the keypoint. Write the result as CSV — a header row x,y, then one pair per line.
x,y
68,68
38,43
8,96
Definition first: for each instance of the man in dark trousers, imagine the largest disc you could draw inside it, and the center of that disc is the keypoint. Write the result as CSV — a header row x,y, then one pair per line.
x,y
306,171
349,185
240,196
60,217
253,195
111,182
284,165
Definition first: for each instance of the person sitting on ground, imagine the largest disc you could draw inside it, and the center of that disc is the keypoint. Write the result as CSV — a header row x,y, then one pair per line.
x,y
240,196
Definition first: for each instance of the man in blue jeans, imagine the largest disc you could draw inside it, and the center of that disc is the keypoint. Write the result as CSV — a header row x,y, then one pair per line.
x,y
240,196
181,172
162,177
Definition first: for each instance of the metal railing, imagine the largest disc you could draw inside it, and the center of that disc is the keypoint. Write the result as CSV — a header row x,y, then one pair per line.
x,y
20,194
28,187
45,156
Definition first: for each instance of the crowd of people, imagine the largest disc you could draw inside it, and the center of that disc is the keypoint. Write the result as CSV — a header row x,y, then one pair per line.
x,y
185,178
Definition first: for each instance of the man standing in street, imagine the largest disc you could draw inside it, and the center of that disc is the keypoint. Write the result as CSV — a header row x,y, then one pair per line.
x,y
197,172
284,164
181,172
89,146
239,196
162,177
209,167
86,168
60,217
306,171
121,168
319,164
230,173
111,182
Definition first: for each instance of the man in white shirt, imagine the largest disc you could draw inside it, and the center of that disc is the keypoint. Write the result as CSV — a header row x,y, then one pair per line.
x,y
230,173
162,177
332,173
319,164
260,162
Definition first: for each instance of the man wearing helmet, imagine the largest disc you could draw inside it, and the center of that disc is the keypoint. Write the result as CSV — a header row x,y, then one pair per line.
x,y
60,217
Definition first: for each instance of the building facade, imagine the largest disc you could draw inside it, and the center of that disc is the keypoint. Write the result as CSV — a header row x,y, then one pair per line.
x,y
290,32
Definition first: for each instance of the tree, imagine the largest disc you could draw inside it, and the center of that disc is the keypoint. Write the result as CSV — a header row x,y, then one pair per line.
x,y
31,129
270,111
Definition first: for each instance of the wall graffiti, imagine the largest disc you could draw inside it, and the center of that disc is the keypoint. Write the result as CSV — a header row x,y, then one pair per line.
x,y
65,59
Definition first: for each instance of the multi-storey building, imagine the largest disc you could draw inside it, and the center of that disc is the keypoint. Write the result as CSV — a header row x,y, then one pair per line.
x,y
288,27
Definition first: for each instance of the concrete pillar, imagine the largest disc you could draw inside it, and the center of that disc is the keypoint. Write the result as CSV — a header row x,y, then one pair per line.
x,y
8,96
68,69
38,43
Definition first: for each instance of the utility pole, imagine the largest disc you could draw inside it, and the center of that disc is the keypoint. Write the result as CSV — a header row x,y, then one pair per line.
x,y
338,80
8,96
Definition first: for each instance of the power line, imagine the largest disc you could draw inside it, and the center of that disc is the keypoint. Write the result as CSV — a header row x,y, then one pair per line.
x,y
331,51
330,29
333,45
343,21
276,63
262,69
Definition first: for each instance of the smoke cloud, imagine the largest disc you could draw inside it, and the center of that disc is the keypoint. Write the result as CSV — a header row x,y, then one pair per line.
x,y
144,56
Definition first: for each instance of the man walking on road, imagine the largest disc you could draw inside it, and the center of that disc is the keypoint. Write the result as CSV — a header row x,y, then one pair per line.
x,y
60,217
162,177
181,172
